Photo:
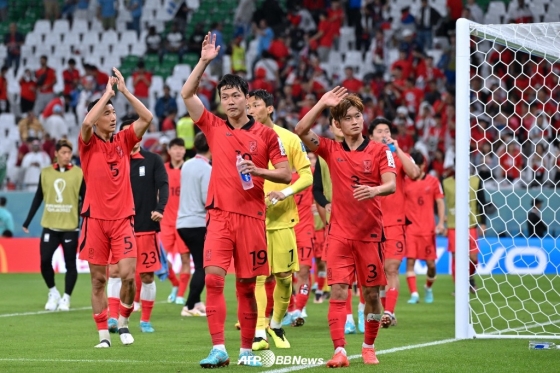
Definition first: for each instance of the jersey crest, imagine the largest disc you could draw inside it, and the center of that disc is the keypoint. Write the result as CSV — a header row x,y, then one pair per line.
x,y
367,166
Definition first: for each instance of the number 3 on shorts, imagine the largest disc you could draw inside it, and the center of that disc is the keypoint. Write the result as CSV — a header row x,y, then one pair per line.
x,y
372,272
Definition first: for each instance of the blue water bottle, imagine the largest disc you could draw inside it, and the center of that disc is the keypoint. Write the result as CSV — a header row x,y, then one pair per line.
x,y
246,179
391,146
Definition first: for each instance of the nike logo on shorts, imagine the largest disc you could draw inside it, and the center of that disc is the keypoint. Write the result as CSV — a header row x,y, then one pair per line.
x,y
67,241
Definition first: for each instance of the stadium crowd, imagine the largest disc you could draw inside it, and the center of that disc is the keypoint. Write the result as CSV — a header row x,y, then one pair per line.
x,y
399,59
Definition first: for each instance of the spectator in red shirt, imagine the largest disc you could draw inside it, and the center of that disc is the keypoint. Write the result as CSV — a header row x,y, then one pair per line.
x,y
169,122
437,169
412,96
260,82
46,79
511,162
404,63
426,71
101,79
351,83
71,77
58,100
141,81
27,93
324,38
4,102
13,41
335,16
279,51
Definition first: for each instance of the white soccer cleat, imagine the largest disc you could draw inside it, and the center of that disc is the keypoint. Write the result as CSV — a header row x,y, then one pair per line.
x,y
126,337
194,312
103,344
64,303
52,302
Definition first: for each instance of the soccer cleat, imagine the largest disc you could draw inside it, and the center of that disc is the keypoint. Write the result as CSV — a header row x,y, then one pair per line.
x,y
327,295
287,320
126,337
349,328
318,298
429,296
260,344
171,298
248,358
279,337
339,360
216,359
180,300
414,298
386,319
297,318
368,354
52,301
304,313
64,303
361,322
194,312
394,320
200,307
113,325
146,327
105,343
238,326
136,307
314,287
472,284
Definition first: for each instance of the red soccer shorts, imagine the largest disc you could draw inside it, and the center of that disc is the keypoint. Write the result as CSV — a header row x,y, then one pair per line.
x,y
421,247
171,241
104,239
148,259
231,235
473,236
346,258
394,242
304,239
319,243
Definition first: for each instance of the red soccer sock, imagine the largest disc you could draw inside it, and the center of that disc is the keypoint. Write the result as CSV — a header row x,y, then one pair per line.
x,y
101,320
337,319
349,302
125,311
302,297
372,327
173,278
246,312
430,281
114,308
292,305
383,301
453,268
147,307
391,302
361,292
183,283
216,308
138,281
411,280
269,288
321,282
472,267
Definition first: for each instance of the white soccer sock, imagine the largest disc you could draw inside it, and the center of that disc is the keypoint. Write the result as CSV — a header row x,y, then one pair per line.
x,y
366,346
242,350
114,287
104,334
53,290
350,318
220,347
340,349
361,307
148,291
260,333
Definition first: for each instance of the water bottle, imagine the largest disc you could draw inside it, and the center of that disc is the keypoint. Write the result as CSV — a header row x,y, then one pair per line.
x,y
534,345
391,146
246,179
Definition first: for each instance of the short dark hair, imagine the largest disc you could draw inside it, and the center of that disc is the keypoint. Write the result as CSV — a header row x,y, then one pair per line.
x,y
92,104
71,61
263,95
126,122
176,142
140,64
61,143
233,81
200,143
417,157
377,121
3,201
44,56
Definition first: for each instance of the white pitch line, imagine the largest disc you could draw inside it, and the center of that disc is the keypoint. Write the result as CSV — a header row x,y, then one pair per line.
x,y
42,312
381,352
26,360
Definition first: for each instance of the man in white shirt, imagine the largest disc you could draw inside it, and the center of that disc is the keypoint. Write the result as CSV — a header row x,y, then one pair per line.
x,y
56,125
32,164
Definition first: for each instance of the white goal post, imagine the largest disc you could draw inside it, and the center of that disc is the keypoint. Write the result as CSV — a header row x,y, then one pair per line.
x,y
520,303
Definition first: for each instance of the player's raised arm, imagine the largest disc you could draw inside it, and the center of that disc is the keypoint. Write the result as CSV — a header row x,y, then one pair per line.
x,y
303,128
144,115
188,92
97,110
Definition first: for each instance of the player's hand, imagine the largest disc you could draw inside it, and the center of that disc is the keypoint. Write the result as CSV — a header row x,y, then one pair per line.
x,y
156,216
333,97
109,89
121,83
314,209
363,192
275,197
209,49
389,140
440,228
328,208
248,167
25,229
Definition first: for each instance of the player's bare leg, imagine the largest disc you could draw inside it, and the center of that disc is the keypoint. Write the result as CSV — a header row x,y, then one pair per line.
x,y
99,303
302,294
147,299
127,271
411,281
372,312
431,277
184,277
337,320
391,292
473,262
282,295
113,295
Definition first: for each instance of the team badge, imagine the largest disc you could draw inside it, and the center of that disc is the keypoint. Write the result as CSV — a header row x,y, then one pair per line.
x,y
119,151
252,147
367,166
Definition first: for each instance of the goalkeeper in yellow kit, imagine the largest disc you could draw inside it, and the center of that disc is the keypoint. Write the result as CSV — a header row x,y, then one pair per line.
x,y
281,217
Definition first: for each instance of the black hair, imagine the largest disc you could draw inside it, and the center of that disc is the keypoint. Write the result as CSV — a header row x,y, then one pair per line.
x,y
71,61
45,57
377,121
200,143
3,201
92,104
5,68
140,64
62,143
126,122
176,142
417,157
263,95
233,81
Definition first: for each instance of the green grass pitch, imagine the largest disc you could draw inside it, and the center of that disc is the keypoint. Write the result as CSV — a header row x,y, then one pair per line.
x,y
63,342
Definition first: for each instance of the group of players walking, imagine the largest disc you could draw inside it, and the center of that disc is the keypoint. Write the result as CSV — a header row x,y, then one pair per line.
x,y
253,204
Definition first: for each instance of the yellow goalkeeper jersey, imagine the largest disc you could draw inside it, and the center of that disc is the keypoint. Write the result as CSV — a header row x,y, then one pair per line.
x,y
284,214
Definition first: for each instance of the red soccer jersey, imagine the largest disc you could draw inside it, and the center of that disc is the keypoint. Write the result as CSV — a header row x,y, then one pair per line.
x,y
45,77
420,197
304,200
172,207
253,141
393,204
106,167
350,218
141,88
71,79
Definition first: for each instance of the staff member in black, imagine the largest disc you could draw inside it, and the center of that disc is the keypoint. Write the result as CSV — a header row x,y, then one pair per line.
x,y
150,189
62,188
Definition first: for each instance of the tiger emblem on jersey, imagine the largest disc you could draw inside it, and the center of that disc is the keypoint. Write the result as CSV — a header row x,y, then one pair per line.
x,y
119,151
253,147
367,166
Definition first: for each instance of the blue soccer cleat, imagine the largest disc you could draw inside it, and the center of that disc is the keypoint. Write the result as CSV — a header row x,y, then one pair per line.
x,y
113,325
349,328
146,327
414,298
429,296
173,296
247,358
287,320
216,359
361,322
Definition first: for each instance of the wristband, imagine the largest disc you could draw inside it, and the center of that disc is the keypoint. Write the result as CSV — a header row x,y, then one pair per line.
x,y
287,192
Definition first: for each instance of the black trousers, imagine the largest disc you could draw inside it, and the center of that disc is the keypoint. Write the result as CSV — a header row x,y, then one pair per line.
x,y
50,240
194,239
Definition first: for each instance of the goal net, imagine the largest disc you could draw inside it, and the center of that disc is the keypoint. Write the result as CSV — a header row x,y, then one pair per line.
x,y
508,116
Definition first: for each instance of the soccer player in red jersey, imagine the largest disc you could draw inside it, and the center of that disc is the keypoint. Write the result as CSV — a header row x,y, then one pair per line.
x,y
236,217
108,209
421,196
169,236
361,170
393,217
